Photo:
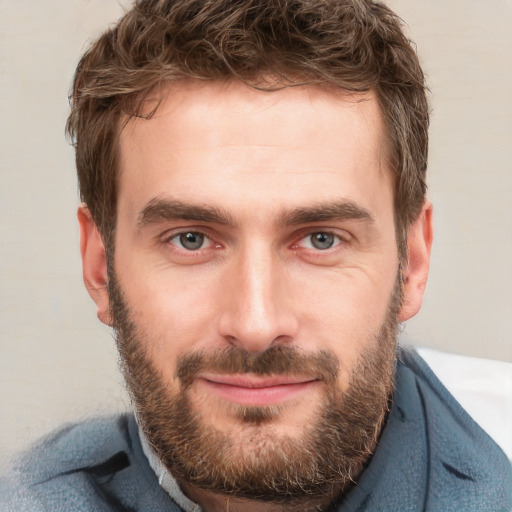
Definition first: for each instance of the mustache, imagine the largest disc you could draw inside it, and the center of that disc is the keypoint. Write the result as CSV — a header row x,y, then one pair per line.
x,y
281,360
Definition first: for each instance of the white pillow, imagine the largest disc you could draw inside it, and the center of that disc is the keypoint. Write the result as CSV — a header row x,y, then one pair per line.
x,y
482,386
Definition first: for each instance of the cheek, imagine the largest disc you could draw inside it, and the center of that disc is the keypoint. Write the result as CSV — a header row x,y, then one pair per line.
x,y
173,311
344,312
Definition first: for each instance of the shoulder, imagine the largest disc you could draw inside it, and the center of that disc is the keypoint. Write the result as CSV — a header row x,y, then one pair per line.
x,y
482,386
94,465
466,467
431,455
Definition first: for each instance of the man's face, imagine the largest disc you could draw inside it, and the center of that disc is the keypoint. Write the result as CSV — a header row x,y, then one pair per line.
x,y
256,228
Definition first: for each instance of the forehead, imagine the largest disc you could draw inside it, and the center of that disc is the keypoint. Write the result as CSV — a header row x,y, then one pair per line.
x,y
222,106
266,145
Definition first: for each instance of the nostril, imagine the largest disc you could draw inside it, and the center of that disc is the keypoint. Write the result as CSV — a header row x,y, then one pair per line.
x,y
232,340
257,343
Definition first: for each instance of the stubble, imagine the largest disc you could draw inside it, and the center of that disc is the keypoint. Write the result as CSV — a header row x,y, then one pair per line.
x,y
263,464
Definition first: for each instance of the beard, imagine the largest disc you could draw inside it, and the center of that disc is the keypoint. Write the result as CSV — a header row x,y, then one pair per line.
x,y
261,463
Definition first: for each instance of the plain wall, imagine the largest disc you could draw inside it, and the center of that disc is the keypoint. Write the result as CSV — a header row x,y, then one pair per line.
x,y
58,363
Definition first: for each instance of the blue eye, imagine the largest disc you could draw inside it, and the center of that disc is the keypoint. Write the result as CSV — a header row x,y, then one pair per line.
x,y
322,241
190,240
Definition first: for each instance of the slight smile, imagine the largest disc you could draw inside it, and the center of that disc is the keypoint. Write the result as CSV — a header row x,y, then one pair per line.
x,y
257,390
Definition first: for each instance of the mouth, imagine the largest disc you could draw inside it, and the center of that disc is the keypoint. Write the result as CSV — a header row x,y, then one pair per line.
x,y
256,390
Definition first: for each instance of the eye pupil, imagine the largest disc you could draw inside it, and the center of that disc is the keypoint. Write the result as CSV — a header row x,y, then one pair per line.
x,y
191,241
322,240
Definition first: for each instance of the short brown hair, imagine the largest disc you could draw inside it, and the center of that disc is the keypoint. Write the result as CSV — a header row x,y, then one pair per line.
x,y
354,45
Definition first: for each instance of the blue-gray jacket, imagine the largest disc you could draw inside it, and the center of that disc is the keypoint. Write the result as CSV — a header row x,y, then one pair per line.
x,y
431,457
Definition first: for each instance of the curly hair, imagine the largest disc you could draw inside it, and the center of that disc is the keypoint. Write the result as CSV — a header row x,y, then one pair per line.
x,y
352,45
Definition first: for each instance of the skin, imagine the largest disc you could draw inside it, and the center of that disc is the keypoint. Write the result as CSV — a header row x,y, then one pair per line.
x,y
258,281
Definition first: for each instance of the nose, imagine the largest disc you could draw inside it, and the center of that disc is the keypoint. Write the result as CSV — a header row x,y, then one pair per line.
x,y
257,302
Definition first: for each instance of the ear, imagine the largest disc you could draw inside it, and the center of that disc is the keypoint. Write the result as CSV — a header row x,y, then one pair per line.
x,y
415,270
94,263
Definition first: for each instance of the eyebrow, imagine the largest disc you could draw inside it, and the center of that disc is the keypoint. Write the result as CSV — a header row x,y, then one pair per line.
x,y
339,210
159,210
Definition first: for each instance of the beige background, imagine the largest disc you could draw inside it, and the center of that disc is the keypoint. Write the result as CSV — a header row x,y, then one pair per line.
x,y
58,362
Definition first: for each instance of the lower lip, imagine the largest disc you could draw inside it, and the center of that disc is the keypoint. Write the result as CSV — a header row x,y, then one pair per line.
x,y
271,395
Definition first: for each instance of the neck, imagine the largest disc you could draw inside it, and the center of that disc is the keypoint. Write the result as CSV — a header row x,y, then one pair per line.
x,y
211,502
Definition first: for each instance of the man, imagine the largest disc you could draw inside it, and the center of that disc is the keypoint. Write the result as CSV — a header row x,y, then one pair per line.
x,y
254,228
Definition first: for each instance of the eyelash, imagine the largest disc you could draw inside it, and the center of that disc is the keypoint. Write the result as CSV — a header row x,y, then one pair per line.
x,y
340,240
168,240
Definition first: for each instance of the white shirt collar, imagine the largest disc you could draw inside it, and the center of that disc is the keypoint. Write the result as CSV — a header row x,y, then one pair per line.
x,y
165,479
